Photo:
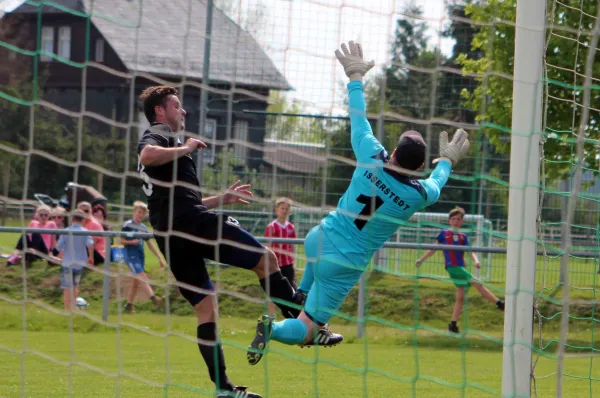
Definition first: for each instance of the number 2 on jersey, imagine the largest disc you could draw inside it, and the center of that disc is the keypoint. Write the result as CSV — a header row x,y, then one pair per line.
x,y
372,203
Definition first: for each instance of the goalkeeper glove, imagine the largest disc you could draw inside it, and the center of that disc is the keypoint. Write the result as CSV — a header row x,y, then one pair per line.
x,y
299,297
455,149
352,60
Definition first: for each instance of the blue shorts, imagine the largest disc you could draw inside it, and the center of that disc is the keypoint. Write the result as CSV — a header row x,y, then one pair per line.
x,y
334,277
136,265
70,277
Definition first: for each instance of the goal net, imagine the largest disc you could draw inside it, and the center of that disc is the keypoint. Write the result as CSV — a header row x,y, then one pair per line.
x,y
261,86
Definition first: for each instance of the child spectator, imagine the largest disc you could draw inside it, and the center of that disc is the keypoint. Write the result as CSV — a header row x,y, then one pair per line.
x,y
135,258
455,266
75,251
282,228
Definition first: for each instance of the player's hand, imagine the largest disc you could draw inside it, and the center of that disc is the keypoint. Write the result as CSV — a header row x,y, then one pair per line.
x,y
192,144
91,260
352,60
236,194
477,265
418,263
162,264
455,149
299,297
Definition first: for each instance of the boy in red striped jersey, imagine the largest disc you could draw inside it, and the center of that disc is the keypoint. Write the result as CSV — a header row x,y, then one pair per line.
x,y
454,262
282,228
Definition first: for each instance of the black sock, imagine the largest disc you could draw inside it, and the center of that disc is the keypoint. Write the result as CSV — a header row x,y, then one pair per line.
x,y
453,323
213,356
281,289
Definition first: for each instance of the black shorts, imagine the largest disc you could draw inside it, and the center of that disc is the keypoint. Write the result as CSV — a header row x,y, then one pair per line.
x,y
98,258
290,273
227,243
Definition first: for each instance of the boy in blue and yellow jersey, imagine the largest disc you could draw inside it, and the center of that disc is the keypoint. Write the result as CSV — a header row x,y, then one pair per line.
x,y
454,262
382,193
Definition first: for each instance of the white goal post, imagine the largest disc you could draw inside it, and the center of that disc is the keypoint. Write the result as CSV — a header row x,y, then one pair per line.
x,y
523,197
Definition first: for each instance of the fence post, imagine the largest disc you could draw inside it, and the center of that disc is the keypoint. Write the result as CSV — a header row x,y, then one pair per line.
x,y
106,295
361,305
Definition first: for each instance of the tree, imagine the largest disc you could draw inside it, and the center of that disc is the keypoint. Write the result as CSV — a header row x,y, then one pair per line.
x,y
565,60
408,90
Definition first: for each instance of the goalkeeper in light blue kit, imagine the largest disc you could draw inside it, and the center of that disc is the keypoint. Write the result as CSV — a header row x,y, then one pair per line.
x,y
381,194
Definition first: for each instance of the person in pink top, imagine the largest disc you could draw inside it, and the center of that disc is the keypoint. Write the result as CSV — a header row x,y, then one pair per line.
x,y
42,243
91,224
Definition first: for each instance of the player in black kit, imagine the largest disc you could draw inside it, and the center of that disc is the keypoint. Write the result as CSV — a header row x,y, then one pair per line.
x,y
221,238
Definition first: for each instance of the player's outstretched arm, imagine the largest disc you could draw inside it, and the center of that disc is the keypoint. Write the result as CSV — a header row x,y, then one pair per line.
x,y
364,143
450,154
155,155
424,257
475,260
235,194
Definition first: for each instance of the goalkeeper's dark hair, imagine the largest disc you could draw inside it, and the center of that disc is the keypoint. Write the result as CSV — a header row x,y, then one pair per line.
x,y
410,151
155,96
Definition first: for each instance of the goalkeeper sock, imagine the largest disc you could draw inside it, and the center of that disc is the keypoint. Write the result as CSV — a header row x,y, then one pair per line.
x,y
289,331
281,289
213,356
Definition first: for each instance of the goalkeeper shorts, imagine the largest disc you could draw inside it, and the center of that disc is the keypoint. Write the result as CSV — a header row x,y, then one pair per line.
x,y
333,277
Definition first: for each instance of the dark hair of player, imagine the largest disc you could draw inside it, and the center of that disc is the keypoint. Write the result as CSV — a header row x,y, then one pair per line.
x,y
155,96
410,152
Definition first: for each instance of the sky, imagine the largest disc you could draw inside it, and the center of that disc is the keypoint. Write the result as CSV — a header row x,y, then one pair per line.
x,y
301,36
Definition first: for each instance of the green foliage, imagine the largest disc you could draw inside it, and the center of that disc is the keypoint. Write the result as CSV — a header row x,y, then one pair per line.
x,y
566,67
55,136
285,125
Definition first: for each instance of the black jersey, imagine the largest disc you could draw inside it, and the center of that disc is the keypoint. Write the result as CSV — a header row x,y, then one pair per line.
x,y
185,199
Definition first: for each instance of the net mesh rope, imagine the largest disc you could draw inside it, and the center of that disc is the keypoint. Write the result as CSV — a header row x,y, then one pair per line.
x,y
294,41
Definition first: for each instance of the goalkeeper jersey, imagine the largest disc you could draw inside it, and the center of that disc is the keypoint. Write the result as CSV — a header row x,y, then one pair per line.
x,y
378,199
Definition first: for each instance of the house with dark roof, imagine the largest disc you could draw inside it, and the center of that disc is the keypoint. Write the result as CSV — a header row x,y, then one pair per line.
x,y
96,56
294,165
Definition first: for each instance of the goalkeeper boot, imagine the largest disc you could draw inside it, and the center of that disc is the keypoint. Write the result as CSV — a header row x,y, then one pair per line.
x,y
261,338
238,392
325,338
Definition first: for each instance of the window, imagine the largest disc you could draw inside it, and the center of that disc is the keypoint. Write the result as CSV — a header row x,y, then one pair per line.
x,y
240,132
47,43
210,131
64,42
99,56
